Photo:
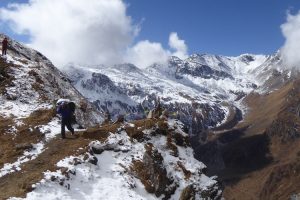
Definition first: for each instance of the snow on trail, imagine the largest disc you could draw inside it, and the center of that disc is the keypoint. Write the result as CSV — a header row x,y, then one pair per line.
x,y
110,179
27,156
105,181
50,130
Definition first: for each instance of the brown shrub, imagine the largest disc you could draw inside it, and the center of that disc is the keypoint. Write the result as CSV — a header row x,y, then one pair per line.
x,y
152,173
145,123
134,133
173,148
96,133
83,106
38,117
187,193
6,80
139,168
187,173
181,140
162,125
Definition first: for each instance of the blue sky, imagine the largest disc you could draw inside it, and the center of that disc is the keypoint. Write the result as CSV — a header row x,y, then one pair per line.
x,y
226,27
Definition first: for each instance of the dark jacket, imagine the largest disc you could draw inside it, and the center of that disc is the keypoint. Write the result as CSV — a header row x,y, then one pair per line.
x,y
65,111
4,43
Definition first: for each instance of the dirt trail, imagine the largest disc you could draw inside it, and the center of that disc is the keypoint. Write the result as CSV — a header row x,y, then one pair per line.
x,y
19,183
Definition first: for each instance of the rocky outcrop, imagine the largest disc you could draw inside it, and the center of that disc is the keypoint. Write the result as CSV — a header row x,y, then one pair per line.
x,y
153,174
32,81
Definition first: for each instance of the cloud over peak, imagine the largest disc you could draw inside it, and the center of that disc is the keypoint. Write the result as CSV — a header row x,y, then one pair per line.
x,y
86,32
73,31
178,45
290,50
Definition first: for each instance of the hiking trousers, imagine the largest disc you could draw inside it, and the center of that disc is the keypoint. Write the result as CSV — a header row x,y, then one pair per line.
x,y
67,123
4,51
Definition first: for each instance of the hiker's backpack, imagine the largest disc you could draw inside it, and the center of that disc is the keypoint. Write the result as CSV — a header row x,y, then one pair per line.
x,y
72,106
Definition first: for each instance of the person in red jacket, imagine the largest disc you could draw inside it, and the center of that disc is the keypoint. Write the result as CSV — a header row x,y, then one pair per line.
x,y
4,46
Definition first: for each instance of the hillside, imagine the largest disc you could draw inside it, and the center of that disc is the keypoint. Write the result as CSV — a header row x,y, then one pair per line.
x,y
259,158
99,159
237,115
276,129
203,91
231,105
29,88
145,159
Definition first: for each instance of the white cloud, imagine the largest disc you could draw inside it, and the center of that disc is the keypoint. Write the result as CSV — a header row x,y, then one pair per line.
x,y
145,53
178,45
93,31
290,50
86,32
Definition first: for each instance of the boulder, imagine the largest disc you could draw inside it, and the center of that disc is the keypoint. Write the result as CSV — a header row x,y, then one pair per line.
x,y
188,193
24,146
153,174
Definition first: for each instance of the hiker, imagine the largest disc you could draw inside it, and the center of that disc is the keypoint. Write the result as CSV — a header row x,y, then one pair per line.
x,y
67,112
4,46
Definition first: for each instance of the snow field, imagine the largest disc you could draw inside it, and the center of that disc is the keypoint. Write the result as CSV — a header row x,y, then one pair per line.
x,y
110,178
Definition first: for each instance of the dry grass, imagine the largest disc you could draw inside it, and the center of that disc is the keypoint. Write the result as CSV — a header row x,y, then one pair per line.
x,y
19,183
143,174
264,109
27,134
6,80
187,173
181,140
7,145
38,117
172,147
100,134
135,133
276,114
145,123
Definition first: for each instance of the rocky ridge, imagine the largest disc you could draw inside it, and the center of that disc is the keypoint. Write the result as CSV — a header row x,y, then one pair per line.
x,y
35,161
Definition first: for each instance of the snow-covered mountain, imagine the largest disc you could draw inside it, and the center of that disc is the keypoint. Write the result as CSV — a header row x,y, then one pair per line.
x,y
29,87
31,83
145,159
202,91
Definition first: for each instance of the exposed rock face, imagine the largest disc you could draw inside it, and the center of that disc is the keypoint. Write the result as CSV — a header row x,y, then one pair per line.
x,y
100,81
197,66
153,173
188,193
24,146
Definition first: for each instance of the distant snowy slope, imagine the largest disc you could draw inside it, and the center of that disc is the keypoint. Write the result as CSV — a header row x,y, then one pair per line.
x,y
203,87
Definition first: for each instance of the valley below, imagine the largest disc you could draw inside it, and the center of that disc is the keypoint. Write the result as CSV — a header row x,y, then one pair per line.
x,y
259,157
